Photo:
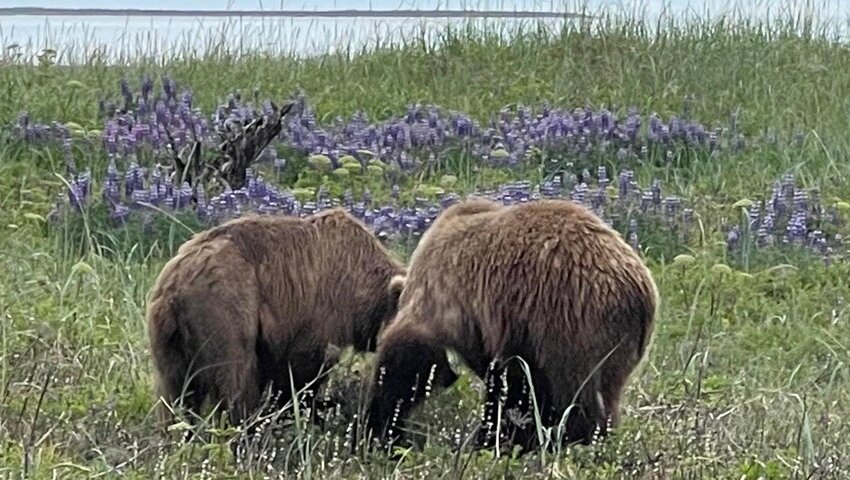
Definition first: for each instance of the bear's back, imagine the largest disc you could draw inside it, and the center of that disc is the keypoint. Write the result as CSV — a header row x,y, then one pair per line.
x,y
273,252
348,245
550,266
536,237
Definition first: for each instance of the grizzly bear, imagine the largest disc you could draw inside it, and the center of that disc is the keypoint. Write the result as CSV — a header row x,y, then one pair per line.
x,y
546,282
246,302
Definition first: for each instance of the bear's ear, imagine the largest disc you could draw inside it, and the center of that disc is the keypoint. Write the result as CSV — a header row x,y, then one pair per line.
x,y
394,290
397,284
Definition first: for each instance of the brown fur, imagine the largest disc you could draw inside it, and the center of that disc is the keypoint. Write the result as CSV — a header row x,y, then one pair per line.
x,y
546,281
243,301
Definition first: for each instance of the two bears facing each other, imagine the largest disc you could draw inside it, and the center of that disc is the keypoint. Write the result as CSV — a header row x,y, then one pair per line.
x,y
242,303
546,281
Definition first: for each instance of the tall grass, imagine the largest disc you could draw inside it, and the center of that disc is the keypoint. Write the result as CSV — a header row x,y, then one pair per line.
x,y
747,375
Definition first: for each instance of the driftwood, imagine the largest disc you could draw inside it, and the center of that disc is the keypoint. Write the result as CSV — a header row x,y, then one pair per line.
x,y
239,147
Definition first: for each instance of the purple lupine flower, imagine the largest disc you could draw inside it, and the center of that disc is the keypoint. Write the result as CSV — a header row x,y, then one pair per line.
x,y
348,199
796,228
183,196
687,221
818,242
671,208
600,199
309,208
549,190
656,192
75,196
575,132
161,113
753,217
801,200
204,206
139,197
626,177
130,176
84,182
449,200
633,235
788,187
646,201
602,175
578,193
119,214
732,237
769,221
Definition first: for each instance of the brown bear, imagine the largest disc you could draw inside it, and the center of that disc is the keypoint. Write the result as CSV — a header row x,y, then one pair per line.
x,y
243,302
545,281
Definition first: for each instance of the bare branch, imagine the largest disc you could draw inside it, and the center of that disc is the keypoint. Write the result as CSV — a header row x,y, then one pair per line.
x,y
240,146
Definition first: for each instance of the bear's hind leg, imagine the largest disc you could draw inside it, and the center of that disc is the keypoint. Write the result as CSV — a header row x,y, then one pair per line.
x,y
239,387
597,407
586,417
169,388
612,385
238,384
180,385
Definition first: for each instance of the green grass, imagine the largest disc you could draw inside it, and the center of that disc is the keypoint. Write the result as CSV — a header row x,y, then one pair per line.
x,y
748,372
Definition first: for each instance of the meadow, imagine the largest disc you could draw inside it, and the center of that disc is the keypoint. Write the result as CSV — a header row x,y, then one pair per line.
x,y
718,149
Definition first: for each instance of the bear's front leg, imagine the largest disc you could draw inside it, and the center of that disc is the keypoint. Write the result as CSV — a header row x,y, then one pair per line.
x,y
510,411
494,391
296,377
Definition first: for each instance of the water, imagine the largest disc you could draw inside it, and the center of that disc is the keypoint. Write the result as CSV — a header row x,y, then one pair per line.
x,y
120,38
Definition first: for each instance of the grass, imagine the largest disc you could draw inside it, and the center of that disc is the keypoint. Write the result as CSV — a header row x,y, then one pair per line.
x,y
747,376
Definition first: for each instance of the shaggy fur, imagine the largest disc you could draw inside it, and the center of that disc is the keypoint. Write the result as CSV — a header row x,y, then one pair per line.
x,y
545,281
243,302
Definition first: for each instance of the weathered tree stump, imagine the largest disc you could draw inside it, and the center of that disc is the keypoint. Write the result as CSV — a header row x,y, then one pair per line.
x,y
239,146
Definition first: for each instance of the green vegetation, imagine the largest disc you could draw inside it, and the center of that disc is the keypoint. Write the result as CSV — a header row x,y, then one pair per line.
x,y
748,373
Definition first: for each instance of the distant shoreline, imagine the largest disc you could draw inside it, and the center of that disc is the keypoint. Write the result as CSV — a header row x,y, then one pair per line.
x,y
349,13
